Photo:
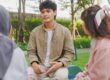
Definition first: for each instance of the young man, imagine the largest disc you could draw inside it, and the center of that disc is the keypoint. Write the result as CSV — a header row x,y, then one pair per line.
x,y
50,46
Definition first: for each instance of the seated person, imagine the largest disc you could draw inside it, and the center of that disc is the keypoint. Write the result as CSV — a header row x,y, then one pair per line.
x,y
12,60
97,26
50,46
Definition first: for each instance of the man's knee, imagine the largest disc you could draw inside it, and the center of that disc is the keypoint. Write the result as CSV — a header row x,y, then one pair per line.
x,y
61,74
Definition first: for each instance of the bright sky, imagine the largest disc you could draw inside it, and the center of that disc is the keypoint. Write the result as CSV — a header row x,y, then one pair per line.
x,y
12,5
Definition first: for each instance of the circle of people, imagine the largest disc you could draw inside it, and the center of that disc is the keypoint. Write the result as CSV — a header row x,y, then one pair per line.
x,y
50,47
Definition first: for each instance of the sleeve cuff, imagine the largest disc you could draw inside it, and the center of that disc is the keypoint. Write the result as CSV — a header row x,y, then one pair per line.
x,y
63,62
35,62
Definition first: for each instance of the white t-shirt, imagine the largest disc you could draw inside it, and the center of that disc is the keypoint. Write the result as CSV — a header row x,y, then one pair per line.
x,y
50,33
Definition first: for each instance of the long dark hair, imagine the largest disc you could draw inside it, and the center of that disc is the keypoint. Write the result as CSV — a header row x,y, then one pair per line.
x,y
88,16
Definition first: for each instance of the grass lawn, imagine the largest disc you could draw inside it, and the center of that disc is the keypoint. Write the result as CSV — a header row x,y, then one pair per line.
x,y
82,59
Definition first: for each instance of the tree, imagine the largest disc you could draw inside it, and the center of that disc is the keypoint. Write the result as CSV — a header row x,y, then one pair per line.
x,y
21,21
75,6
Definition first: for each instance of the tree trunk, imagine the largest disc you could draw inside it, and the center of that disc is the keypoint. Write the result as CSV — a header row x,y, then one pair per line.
x,y
109,2
73,27
72,19
21,20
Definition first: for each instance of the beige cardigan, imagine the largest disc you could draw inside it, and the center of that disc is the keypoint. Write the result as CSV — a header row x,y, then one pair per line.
x,y
61,45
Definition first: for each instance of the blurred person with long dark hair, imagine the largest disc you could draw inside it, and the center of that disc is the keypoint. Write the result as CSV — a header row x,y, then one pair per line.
x,y
97,26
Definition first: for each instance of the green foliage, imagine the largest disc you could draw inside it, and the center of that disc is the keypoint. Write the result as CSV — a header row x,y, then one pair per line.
x,y
31,24
34,22
23,46
78,4
83,42
64,22
84,3
79,27
14,23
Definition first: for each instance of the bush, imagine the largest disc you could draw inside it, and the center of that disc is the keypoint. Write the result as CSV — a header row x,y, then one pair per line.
x,y
30,24
64,22
34,22
83,42
79,27
14,23
23,46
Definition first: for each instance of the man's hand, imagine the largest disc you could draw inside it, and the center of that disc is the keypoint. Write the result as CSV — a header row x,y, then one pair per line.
x,y
55,66
37,68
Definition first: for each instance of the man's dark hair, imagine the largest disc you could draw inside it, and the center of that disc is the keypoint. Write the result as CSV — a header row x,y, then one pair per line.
x,y
88,17
48,5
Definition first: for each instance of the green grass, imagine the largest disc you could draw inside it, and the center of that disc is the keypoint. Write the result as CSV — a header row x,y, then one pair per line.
x,y
82,59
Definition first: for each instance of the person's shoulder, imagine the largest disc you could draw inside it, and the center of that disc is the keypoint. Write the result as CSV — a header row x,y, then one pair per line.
x,y
62,27
104,43
18,51
37,28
